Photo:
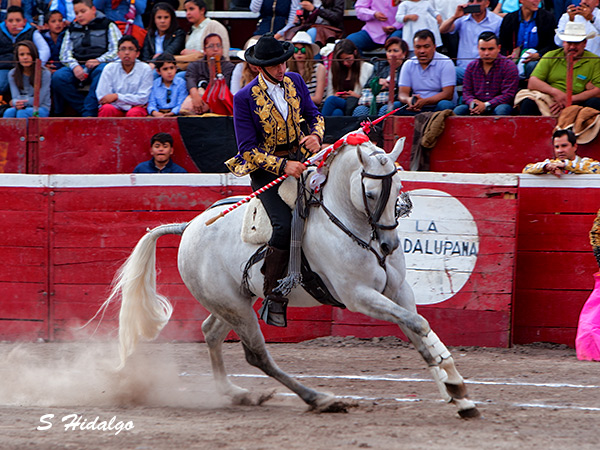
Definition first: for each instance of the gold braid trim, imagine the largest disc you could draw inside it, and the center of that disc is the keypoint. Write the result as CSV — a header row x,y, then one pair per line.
x,y
595,232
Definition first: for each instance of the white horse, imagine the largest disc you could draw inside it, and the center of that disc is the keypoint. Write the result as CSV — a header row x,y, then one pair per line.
x,y
361,266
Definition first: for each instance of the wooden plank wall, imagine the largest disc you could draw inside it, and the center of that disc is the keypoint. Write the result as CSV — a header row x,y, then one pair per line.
x,y
24,254
554,259
82,228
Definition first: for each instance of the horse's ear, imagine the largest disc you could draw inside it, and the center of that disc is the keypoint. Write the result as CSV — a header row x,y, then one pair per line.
x,y
359,152
398,147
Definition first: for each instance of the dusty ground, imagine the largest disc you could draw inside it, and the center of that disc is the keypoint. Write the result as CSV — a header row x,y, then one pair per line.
x,y
532,397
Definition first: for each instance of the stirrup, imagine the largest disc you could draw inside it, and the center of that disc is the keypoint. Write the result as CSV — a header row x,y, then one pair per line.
x,y
274,313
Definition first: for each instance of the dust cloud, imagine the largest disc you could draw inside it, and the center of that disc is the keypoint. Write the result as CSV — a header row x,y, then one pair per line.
x,y
84,374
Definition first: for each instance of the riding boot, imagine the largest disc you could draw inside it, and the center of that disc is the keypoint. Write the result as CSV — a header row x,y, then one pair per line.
x,y
274,307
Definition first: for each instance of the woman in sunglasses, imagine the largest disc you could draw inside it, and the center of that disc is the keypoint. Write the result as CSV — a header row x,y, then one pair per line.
x,y
303,62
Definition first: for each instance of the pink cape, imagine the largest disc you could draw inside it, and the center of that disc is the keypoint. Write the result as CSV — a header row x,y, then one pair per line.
x,y
587,342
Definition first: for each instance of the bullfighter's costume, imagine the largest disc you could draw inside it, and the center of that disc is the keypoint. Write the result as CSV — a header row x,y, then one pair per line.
x,y
267,115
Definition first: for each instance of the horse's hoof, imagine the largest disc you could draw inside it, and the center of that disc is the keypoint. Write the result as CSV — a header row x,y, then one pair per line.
x,y
331,404
470,413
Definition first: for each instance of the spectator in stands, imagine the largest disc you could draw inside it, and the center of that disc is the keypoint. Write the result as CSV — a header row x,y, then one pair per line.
x,y
380,23
347,75
588,13
117,10
65,7
195,13
124,87
91,38
164,34
275,16
548,79
561,6
197,75
34,11
566,160
491,81
168,91
418,15
161,150
427,80
505,7
244,72
446,8
150,4
15,29
324,23
375,94
469,27
54,37
22,81
526,35
303,62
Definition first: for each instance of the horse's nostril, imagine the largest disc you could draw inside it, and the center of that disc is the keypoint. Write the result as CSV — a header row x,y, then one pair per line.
x,y
385,248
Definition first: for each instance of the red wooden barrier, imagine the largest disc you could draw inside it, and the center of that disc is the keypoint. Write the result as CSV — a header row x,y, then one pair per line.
x,y
100,145
87,225
486,144
13,145
554,259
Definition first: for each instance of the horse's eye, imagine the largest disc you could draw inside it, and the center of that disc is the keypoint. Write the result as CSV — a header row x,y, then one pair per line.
x,y
369,195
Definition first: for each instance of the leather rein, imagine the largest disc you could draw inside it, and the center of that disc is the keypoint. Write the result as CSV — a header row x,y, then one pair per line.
x,y
372,217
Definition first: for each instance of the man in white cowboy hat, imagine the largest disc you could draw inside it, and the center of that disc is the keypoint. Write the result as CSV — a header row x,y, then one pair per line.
x,y
566,160
550,75
267,114
586,12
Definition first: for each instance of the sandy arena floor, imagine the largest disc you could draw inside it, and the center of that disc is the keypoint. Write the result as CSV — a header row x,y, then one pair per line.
x,y
532,397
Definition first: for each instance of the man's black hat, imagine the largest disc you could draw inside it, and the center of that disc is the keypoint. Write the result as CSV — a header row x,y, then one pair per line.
x,y
268,51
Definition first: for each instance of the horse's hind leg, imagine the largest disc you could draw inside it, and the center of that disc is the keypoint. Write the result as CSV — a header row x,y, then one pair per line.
x,y
258,356
215,331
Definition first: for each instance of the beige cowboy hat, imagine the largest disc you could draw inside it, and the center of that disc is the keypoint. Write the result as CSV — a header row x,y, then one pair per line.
x,y
302,37
575,32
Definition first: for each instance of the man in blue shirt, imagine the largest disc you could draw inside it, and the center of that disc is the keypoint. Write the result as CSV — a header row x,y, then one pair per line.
x,y
469,27
161,150
427,79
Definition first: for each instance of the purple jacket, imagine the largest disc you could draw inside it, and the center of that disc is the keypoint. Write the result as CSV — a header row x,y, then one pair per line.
x,y
260,128
365,11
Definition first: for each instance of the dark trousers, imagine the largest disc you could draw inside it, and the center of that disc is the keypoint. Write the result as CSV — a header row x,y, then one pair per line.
x,y
279,213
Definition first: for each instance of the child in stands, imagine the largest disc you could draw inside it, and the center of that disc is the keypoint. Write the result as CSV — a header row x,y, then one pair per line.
x,y
15,29
161,150
93,40
168,91
22,81
54,38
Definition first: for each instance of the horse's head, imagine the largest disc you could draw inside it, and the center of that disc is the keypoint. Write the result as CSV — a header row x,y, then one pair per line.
x,y
374,191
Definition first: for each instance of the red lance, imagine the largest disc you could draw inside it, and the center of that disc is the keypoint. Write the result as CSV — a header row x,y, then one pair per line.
x,y
323,154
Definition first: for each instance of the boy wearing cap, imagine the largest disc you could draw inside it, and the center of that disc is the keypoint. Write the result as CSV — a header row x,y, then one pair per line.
x,y
566,160
266,117
550,75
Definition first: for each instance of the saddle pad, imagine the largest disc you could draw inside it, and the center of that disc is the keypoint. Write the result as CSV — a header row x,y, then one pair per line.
x,y
256,226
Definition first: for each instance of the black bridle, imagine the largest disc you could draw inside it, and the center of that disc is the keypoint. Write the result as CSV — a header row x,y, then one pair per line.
x,y
374,216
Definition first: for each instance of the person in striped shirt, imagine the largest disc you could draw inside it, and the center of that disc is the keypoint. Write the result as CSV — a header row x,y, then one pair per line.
x,y
566,160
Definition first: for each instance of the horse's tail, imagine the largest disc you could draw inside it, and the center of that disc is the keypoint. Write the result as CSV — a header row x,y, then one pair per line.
x,y
144,312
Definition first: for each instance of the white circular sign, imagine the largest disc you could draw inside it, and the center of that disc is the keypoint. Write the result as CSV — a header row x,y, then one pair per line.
x,y
441,243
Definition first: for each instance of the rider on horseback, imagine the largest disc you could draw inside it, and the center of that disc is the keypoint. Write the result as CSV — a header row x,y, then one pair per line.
x,y
267,115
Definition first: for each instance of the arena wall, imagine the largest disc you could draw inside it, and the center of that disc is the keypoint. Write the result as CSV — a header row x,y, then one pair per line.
x,y
514,252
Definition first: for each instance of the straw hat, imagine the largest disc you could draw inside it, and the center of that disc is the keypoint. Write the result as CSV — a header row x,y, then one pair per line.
x,y
575,32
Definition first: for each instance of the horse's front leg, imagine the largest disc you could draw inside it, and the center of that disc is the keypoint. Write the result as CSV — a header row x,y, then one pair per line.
x,y
441,364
